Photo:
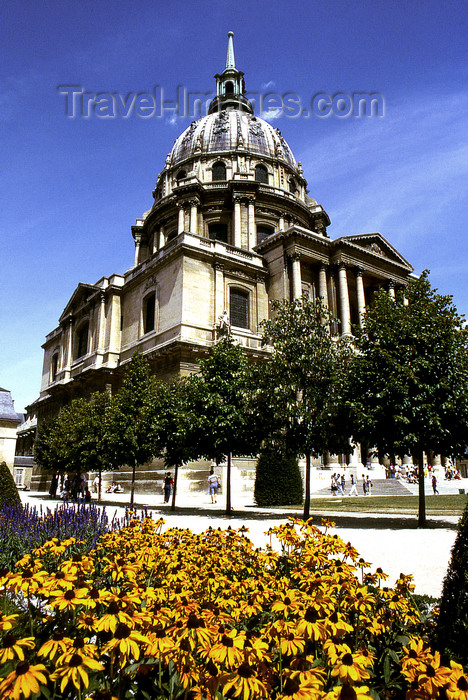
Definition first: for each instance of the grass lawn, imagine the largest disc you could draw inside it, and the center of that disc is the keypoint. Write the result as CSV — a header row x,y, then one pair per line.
x,y
453,504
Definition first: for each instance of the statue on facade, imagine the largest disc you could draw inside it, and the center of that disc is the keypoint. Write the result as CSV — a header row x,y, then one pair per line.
x,y
222,326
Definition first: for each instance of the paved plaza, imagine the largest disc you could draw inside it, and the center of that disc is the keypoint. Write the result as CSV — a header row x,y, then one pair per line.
x,y
393,542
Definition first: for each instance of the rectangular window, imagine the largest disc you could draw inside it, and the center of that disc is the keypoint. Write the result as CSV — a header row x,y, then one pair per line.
x,y
149,313
19,476
239,308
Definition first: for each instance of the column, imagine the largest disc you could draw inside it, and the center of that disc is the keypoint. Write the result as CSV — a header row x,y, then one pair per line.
x,y
67,368
323,291
355,460
181,221
137,250
102,327
115,312
251,216
373,459
218,295
332,461
361,299
193,216
237,222
296,276
162,238
391,289
281,221
344,300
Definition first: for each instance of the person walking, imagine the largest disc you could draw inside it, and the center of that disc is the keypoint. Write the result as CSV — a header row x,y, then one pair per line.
x,y
364,484
434,485
213,484
354,491
369,485
168,483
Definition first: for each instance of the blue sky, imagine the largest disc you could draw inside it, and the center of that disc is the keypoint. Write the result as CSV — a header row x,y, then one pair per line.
x,y
72,187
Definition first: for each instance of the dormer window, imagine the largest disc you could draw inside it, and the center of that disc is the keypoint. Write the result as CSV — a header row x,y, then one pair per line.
x,y
180,176
218,171
261,174
292,186
218,232
263,232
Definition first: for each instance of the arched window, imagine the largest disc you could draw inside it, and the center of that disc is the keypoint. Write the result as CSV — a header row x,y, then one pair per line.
x,y
261,174
218,171
82,341
263,232
229,88
218,232
180,176
292,186
149,313
239,308
54,367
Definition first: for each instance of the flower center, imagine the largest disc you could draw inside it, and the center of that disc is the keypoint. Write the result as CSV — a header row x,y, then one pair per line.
x,y
291,686
76,660
245,671
430,670
347,659
227,641
69,595
122,631
22,668
462,683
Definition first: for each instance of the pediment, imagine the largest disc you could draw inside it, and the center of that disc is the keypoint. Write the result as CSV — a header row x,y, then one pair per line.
x,y
375,244
77,299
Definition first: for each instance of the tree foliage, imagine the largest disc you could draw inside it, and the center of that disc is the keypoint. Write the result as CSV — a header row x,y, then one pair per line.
x,y
278,479
8,492
408,381
299,388
451,632
131,425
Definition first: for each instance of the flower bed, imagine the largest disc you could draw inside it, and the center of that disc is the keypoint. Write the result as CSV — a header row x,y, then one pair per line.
x,y
169,614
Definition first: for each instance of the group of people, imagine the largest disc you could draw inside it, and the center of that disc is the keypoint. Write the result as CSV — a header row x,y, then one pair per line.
x,y
338,485
214,484
74,488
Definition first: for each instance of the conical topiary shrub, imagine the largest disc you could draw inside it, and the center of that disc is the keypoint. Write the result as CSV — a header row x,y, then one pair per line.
x,y
451,633
278,480
8,491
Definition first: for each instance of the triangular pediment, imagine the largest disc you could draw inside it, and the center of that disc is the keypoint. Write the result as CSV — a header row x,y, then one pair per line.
x,y
375,244
77,299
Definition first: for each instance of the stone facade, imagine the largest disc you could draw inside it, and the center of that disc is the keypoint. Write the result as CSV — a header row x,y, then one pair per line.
x,y
9,421
231,228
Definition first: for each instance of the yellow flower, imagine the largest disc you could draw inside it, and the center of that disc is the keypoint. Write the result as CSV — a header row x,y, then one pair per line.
x,y
348,692
229,649
68,599
243,683
13,648
296,689
126,643
159,643
434,676
75,670
457,688
291,644
55,646
7,622
310,625
351,668
23,681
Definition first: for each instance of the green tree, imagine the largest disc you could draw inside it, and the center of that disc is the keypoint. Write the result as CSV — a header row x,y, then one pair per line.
x,y
299,392
51,447
408,381
131,428
278,479
224,425
451,630
178,423
8,491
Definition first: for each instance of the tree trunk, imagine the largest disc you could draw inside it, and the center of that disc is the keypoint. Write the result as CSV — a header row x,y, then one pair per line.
x,y
422,498
228,484
100,486
307,489
132,492
174,486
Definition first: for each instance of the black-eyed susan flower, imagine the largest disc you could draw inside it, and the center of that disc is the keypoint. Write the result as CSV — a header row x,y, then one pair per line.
x,y
12,647
68,599
75,670
457,688
310,626
434,676
7,622
291,644
243,683
24,681
349,692
351,668
55,646
296,689
229,649
126,642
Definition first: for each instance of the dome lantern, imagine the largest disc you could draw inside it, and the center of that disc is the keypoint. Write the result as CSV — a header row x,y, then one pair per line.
x,y
230,86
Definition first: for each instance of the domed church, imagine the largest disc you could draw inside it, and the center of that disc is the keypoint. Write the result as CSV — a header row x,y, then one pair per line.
x,y
232,227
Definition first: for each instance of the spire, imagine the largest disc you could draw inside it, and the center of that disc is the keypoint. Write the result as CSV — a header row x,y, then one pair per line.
x,y
230,60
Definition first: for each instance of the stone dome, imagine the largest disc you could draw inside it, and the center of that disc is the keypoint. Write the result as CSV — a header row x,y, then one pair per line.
x,y
231,130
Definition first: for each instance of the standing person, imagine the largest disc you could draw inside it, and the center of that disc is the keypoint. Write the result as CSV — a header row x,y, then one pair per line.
x,y
168,483
354,491
213,483
369,485
53,486
343,483
333,486
434,484
364,484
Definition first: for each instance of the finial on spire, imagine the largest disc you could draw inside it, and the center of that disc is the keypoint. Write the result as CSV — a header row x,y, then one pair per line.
x,y
230,60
